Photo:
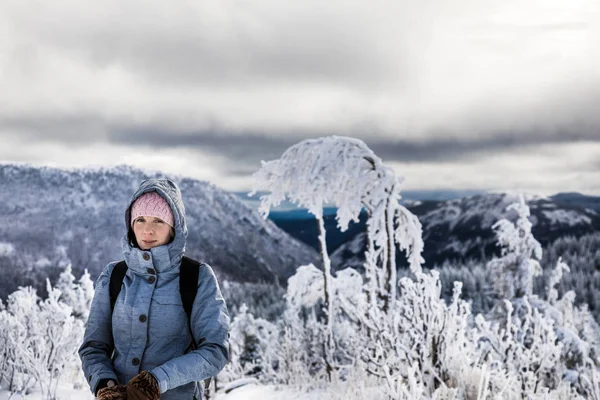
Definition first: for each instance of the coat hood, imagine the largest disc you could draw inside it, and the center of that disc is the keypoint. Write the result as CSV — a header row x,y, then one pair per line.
x,y
171,193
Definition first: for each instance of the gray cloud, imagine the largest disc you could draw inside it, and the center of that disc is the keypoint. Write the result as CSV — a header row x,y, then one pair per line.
x,y
77,129
253,45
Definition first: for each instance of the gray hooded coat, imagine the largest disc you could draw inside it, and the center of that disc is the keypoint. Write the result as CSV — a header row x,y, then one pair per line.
x,y
148,329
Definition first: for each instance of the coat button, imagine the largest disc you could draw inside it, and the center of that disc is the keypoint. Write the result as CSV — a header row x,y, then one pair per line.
x,y
143,318
151,271
135,361
146,256
151,279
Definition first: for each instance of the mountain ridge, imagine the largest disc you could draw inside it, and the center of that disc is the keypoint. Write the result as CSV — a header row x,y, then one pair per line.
x,y
51,217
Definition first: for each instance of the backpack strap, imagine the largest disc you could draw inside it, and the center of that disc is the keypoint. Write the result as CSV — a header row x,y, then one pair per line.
x,y
188,283
116,281
188,287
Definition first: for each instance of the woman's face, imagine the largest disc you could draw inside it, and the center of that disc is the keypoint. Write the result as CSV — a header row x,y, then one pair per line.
x,y
151,232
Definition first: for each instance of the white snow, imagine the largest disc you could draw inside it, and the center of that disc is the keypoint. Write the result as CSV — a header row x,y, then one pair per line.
x,y
566,217
6,249
64,392
270,392
249,391
42,262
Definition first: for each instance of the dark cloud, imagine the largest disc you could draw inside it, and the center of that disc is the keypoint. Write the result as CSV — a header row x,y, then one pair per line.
x,y
245,150
457,149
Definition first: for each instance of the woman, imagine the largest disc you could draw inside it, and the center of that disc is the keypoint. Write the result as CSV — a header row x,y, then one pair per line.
x,y
141,349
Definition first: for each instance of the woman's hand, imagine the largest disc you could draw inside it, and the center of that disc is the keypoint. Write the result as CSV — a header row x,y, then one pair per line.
x,y
112,391
143,386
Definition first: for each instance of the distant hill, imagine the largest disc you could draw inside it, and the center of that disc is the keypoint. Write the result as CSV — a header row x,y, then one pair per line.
x,y
51,217
455,229
579,200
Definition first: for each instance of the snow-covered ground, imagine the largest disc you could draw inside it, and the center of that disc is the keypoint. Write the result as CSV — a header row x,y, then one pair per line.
x,y
248,392
64,393
259,392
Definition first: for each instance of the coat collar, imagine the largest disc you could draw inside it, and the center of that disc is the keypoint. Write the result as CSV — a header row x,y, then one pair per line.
x,y
157,258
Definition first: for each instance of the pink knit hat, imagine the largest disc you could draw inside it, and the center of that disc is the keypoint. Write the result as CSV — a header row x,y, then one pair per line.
x,y
152,204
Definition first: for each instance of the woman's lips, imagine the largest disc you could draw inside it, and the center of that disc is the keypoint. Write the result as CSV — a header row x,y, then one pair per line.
x,y
149,241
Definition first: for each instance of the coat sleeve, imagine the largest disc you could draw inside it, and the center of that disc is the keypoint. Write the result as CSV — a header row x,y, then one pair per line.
x,y
97,347
210,328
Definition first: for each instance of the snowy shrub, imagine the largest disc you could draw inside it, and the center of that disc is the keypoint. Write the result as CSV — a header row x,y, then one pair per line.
x,y
251,346
300,349
524,347
17,320
423,342
301,345
39,340
573,327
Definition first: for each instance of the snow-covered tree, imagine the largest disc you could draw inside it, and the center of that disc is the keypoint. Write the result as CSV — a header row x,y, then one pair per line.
x,y
311,174
389,224
344,172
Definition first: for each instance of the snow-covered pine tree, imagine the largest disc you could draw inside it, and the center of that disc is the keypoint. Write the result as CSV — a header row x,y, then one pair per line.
x,y
76,295
520,255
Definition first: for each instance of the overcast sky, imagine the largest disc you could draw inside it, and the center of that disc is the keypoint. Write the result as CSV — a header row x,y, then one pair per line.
x,y
461,94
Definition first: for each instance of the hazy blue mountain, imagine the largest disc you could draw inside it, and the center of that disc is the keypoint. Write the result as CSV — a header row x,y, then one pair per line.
x,y
50,217
408,195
